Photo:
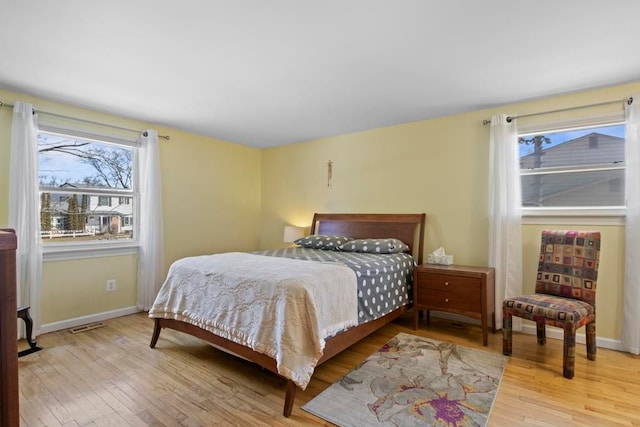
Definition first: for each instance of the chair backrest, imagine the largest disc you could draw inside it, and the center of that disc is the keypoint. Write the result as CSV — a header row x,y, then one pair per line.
x,y
568,265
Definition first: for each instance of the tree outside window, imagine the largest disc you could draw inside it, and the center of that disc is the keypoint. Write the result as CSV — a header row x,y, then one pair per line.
x,y
83,184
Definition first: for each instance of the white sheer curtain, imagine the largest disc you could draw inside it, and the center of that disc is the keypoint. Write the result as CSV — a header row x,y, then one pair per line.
x,y
505,202
631,322
150,258
24,208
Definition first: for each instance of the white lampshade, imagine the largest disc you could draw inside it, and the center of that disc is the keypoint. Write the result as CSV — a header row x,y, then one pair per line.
x,y
292,233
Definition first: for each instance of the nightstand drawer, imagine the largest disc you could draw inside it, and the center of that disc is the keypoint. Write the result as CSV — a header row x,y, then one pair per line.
x,y
458,289
457,300
443,282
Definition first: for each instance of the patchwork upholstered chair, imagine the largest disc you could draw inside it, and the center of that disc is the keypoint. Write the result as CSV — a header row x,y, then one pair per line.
x,y
565,294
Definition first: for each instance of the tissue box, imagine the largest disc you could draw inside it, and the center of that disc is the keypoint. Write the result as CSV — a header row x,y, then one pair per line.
x,y
444,260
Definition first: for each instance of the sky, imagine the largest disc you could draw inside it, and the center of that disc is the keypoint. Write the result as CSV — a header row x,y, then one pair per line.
x,y
65,167
568,135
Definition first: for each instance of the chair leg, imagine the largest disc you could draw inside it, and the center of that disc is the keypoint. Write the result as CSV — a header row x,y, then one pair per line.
x,y
541,331
507,325
591,340
569,357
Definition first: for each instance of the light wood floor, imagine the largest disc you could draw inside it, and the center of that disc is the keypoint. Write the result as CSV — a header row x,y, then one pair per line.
x,y
110,377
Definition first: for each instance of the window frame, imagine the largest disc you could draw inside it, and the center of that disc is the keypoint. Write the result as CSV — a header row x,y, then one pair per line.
x,y
101,197
93,249
605,215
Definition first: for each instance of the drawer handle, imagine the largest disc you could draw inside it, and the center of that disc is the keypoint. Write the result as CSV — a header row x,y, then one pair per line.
x,y
446,300
446,283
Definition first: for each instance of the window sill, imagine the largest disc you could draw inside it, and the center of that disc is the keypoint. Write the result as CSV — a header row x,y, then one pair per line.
x,y
574,216
65,252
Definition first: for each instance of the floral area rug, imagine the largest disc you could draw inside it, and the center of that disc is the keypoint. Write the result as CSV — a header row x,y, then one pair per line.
x,y
414,381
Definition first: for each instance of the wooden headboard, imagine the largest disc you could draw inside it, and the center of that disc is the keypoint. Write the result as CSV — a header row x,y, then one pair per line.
x,y
407,227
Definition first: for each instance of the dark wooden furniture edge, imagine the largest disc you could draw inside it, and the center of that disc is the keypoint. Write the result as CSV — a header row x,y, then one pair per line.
x,y
9,383
401,226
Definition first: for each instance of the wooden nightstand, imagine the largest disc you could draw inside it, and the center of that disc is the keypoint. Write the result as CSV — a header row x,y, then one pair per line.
x,y
464,290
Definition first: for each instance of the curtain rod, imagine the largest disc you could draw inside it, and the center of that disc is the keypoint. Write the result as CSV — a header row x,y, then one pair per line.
x,y
167,137
628,100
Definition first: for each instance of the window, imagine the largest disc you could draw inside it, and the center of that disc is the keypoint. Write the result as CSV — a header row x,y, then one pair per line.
x,y
573,170
127,221
87,190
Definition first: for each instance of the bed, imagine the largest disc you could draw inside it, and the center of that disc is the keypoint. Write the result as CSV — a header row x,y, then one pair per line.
x,y
335,329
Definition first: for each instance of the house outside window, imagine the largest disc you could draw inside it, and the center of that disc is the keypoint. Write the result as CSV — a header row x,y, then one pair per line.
x,y
87,191
573,170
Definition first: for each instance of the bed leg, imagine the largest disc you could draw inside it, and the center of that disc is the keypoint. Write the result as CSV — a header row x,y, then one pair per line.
x,y
289,398
156,333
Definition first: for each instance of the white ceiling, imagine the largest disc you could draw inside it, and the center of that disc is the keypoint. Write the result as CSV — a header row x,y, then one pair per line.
x,y
266,73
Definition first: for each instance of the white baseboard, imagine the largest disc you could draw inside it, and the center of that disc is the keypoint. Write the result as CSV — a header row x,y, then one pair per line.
x,y
552,332
92,318
530,329
557,333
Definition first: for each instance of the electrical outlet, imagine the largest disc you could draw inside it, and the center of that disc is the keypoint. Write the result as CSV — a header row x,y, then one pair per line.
x,y
111,285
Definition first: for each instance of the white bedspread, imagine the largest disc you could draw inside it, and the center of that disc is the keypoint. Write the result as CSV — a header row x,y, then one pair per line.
x,y
281,307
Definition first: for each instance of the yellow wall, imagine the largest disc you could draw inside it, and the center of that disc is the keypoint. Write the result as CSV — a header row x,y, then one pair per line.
x,y
437,166
77,288
219,196
211,203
